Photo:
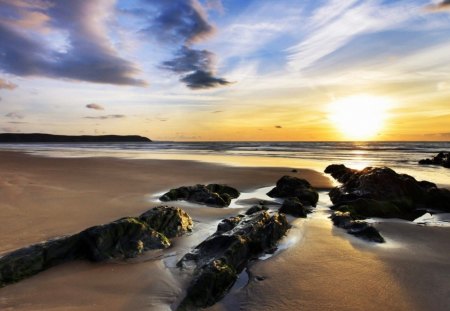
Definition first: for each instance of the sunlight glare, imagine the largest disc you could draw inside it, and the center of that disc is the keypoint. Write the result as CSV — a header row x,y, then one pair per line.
x,y
359,117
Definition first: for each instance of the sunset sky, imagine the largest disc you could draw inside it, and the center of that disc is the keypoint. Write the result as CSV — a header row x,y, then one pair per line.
x,y
227,70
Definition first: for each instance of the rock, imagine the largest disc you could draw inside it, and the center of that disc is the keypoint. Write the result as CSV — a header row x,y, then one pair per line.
x,y
294,207
288,187
357,228
229,223
294,170
368,233
120,239
256,208
213,194
170,221
442,159
381,192
221,257
33,259
123,238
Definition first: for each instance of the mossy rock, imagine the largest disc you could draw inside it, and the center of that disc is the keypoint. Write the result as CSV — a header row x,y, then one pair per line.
x,y
123,238
209,286
170,221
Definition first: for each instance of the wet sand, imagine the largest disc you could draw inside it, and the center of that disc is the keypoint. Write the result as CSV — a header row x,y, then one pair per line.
x,y
325,269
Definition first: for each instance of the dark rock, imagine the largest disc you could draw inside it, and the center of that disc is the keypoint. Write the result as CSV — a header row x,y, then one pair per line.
x,y
229,223
49,138
342,219
220,258
255,209
381,192
288,187
294,170
368,233
357,228
442,159
213,194
168,220
294,207
123,238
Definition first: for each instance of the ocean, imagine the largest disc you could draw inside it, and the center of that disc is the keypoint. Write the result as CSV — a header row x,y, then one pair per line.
x,y
401,156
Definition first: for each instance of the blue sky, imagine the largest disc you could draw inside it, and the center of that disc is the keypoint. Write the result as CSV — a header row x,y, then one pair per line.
x,y
222,70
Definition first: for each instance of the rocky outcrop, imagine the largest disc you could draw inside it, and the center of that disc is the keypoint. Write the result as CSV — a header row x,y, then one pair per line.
x,y
220,258
381,192
120,239
293,206
442,159
213,194
357,228
289,187
49,138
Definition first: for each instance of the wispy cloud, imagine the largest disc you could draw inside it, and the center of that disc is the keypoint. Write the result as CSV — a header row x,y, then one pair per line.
x,y
95,106
107,117
7,85
344,22
14,115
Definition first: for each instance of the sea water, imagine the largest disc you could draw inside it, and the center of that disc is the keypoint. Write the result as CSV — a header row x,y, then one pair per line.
x,y
400,156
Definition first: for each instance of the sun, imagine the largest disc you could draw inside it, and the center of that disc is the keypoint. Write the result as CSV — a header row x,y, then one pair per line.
x,y
359,117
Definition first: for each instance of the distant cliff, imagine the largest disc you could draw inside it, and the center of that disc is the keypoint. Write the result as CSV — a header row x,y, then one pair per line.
x,y
49,138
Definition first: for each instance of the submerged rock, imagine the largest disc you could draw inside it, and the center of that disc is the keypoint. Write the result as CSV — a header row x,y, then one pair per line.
x,y
120,239
294,207
212,194
220,258
381,192
442,159
357,228
289,187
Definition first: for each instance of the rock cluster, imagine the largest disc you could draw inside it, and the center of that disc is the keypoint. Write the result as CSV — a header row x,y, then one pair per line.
x,y
221,257
213,194
124,238
381,192
442,159
297,194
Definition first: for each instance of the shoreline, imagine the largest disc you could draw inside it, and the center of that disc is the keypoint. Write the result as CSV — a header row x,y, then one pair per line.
x,y
322,267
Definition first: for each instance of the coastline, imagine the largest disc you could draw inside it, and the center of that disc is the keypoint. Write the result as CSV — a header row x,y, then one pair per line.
x,y
324,267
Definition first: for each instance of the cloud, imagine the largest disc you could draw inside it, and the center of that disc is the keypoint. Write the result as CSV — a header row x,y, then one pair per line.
x,y
7,85
198,67
14,115
180,21
107,117
439,7
215,5
217,111
278,126
95,106
185,22
203,80
85,52
345,22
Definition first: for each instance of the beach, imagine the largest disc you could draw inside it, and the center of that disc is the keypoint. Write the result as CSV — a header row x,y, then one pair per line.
x,y
319,268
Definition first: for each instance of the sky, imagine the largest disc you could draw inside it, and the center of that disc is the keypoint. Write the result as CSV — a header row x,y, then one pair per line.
x,y
227,70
